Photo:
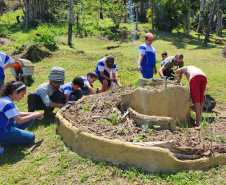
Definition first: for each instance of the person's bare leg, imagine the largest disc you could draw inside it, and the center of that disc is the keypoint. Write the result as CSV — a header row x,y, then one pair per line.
x,y
104,87
198,113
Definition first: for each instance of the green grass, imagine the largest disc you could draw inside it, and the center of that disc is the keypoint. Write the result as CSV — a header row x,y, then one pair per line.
x,y
49,161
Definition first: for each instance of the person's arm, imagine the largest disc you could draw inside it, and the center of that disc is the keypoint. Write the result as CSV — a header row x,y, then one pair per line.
x,y
24,117
104,76
56,105
66,98
139,68
179,73
46,99
114,77
8,65
161,71
90,89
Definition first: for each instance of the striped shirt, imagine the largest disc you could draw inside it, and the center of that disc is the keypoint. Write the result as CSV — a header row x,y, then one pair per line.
x,y
86,82
4,59
67,88
7,111
102,67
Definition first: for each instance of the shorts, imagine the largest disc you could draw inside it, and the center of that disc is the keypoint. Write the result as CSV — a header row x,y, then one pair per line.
x,y
197,88
101,80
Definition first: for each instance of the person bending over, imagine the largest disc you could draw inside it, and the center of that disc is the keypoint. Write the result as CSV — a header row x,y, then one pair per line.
x,y
198,81
170,65
72,91
4,59
89,79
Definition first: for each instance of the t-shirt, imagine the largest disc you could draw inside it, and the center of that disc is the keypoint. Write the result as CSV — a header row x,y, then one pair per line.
x,y
102,67
192,71
7,111
4,59
169,63
86,82
149,53
67,88
45,91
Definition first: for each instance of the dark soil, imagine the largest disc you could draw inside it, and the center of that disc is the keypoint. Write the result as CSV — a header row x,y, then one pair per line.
x,y
102,115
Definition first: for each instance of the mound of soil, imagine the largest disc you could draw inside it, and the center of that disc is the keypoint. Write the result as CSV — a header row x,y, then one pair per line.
x,y
36,53
104,115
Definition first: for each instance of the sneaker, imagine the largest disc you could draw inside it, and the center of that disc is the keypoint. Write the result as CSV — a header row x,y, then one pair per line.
x,y
1,150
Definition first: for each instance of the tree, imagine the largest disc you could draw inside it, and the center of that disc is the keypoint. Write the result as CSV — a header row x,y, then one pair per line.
x,y
115,9
168,14
210,21
200,25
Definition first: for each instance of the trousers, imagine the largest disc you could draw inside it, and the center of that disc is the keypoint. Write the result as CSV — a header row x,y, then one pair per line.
x,y
35,102
18,134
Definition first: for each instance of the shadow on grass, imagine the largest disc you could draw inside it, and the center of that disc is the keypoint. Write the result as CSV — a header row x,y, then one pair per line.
x,y
181,40
46,121
14,154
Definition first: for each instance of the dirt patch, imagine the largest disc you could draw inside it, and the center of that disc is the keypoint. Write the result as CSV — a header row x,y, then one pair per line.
x,y
104,115
4,41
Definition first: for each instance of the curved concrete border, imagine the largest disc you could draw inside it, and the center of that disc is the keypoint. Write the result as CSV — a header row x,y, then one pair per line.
x,y
152,159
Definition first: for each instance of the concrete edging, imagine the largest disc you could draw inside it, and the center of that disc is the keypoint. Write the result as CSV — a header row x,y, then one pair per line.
x,y
152,159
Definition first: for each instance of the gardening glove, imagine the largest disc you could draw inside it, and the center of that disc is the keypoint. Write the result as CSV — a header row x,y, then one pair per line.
x,y
69,103
115,80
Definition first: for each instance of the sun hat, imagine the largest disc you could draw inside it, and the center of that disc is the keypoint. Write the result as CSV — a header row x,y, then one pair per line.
x,y
57,75
110,61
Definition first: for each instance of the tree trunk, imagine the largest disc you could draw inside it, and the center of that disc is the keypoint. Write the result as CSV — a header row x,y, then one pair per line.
x,y
70,24
31,13
27,13
209,22
200,25
101,14
189,14
152,14
219,23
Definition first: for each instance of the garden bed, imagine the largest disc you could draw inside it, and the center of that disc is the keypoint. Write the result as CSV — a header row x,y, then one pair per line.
x,y
104,115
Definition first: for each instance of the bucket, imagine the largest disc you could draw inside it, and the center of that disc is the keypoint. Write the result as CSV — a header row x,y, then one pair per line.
x,y
17,68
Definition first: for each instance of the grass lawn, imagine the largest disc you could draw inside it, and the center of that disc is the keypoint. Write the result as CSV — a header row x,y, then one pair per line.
x,y
49,161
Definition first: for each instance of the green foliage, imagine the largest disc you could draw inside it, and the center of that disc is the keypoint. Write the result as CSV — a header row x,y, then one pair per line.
x,y
107,102
85,177
86,107
114,118
184,126
47,40
120,129
136,85
116,11
168,14
221,138
105,122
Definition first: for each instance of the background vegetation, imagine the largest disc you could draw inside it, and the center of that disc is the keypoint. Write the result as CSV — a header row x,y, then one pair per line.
x,y
49,161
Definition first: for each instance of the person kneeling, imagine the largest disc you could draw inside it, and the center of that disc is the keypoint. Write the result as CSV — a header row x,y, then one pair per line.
x,y
48,95
104,68
13,123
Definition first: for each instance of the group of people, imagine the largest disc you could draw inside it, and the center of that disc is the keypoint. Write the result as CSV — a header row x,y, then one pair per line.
x,y
56,93
172,68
